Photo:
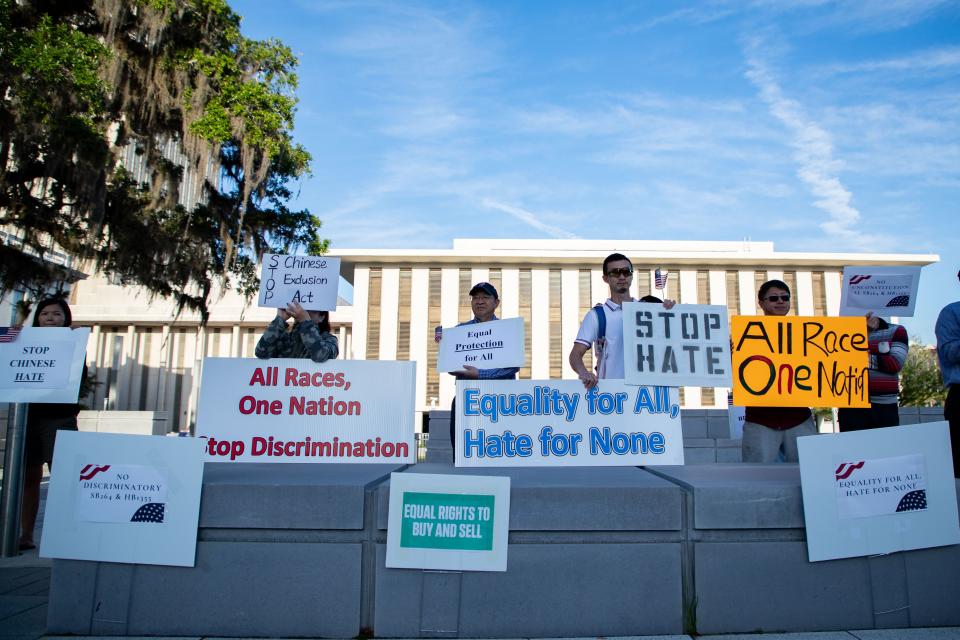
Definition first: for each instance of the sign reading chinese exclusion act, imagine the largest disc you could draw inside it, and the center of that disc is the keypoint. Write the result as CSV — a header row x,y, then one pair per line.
x,y
43,365
878,491
449,522
485,345
539,423
799,362
686,345
885,291
296,410
124,498
309,280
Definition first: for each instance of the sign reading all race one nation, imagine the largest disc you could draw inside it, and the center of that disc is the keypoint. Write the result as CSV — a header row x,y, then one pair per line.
x,y
783,361
538,423
495,344
296,410
311,281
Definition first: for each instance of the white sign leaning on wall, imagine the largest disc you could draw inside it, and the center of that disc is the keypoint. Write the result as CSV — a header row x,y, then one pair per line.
x,y
878,491
688,345
309,280
43,364
124,498
495,344
296,410
885,291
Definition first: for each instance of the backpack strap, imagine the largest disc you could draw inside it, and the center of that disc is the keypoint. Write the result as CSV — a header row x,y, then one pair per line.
x,y
601,321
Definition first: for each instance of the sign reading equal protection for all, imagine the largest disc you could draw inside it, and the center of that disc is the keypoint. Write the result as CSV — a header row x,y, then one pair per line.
x,y
448,522
783,361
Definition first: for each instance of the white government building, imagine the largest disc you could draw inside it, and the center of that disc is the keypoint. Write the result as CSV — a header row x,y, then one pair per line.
x,y
147,358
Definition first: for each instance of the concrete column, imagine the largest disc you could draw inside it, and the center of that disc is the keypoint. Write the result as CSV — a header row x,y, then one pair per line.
x,y
196,373
126,378
540,324
831,286
804,293
748,293
361,303
773,274
235,346
718,287
688,287
389,305
569,320
342,342
419,303
449,304
510,294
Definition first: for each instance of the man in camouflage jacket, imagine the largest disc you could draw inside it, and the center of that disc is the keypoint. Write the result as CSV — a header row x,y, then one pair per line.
x,y
310,336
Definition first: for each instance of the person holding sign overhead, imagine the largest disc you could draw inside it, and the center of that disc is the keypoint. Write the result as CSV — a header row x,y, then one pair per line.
x,y
309,337
767,430
948,353
484,301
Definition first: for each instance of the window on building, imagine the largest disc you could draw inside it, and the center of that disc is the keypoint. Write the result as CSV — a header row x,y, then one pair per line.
x,y
733,293
584,279
790,277
703,286
707,396
464,310
556,337
819,294
373,314
526,294
759,277
496,279
403,316
433,321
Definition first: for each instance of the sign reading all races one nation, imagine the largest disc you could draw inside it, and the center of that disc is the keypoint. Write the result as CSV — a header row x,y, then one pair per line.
x,y
296,410
495,344
311,281
536,423
42,364
884,291
688,344
800,362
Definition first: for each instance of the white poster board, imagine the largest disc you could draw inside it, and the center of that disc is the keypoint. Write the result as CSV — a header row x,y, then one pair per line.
x,y
736,416
885,291
310,280
296,410
124,498
687,345
878,491
495,344
43,364
542,423
448,522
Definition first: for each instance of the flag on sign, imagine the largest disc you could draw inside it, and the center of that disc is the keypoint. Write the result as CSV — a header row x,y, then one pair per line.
x,y
660,278
9,334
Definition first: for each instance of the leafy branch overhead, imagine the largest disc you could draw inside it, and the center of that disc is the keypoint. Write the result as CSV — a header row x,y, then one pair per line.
x,y
93,89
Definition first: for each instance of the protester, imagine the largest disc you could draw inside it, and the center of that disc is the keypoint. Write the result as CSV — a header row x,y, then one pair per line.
x,y
888,351
309,337
44,420
948,353
767,430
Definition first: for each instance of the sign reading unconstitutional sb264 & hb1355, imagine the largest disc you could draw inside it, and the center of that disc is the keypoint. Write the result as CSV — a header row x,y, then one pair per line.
x,y
539,423
686,345
311,281
295,410
800,362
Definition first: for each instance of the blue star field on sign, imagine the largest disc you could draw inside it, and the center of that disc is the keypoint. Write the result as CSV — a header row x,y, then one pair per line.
x,y
151,512
899,301
913,501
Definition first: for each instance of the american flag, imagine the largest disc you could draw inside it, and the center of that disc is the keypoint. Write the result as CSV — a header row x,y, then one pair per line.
x,y
660,279
150,512
437,334
9,334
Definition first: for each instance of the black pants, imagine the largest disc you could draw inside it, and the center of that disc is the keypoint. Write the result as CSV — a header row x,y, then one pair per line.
x,y
876,415
453,427
951,412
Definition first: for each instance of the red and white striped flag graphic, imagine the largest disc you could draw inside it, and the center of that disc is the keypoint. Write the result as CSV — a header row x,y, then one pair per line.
x,y
660,278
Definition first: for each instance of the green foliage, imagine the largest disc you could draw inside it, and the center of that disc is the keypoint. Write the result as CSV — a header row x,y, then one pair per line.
x,y
82,81
921,384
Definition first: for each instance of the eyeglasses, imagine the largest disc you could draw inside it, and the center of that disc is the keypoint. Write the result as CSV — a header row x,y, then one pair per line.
x,y
785,298
620,272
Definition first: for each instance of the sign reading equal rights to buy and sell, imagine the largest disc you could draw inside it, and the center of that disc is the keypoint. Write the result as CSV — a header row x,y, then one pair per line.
x,y
799,362
450,522
296,410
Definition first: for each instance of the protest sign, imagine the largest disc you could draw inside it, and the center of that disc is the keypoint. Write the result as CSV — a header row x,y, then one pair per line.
x,y
485,345
124,498
686,345
885,291
296,410
452,522
43,364
878,491
783,361
539,423
310,280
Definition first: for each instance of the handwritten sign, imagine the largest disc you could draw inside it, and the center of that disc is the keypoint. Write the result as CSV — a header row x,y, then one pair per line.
x,y
800,362
885,291
448,521
43,364
294,410
485,345
539,423
309,280
686,345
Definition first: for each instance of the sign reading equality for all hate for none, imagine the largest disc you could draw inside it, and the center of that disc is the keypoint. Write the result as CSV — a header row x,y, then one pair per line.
x,y
43,364
310,281
781,361
884,291
485,345
297,410
688,344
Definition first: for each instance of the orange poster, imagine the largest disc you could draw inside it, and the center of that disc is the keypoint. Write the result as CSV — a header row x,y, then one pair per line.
x,y
781,361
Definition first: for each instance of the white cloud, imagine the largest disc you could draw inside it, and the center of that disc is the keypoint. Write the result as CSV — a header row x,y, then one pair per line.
x,y
528,217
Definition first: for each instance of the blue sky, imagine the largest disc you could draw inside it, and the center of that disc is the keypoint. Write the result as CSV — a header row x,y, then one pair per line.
x,y
818,125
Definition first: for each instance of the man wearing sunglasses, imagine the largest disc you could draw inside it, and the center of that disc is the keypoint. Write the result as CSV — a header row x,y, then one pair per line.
x,y
948,353
608,343
767,430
